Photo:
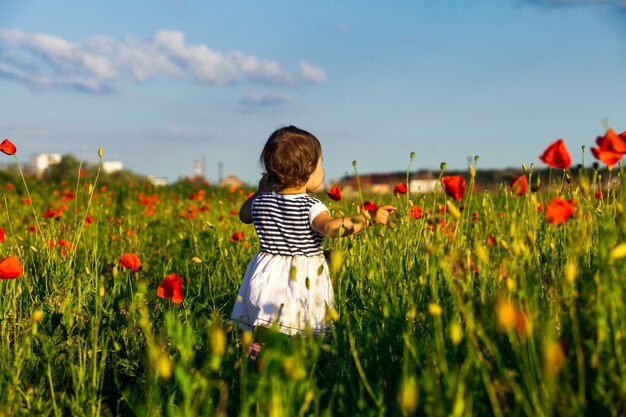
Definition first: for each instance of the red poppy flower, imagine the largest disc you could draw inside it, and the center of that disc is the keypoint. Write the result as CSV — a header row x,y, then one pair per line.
x,y
49,213
559,210
611,141
130,261
237,236
334,193
88,219
10,268
454,186
7,147
400,188
609,158
1,234
598,195
171,287
416,212
369,206
519,185
67,195
556,155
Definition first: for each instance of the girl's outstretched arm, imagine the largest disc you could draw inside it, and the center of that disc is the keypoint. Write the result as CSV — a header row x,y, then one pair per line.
x,y
349,225
245,212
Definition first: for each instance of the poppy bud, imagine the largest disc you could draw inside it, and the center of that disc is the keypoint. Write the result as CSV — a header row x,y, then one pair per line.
x,y
218,341
336,259
408,395
163,366
412,156
434,309
37,316
246,339
331,314
618,252
554,358
571,272
452,209
443,166
456,333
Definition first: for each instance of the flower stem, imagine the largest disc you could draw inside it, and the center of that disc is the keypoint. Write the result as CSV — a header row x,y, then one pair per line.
x,y
408,172
39,231
358,183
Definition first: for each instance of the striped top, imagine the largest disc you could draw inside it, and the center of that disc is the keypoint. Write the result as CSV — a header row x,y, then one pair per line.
x,y
283,223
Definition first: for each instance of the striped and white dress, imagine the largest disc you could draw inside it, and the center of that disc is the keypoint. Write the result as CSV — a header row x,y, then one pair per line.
x,y
287,281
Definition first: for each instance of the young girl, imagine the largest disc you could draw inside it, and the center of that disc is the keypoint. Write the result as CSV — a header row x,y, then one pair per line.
x,y
287,282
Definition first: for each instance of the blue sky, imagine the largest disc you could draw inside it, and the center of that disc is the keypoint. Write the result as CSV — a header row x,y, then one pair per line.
x,y
160,83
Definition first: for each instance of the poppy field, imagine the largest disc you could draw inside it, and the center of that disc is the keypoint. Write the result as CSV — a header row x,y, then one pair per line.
x,y
115,299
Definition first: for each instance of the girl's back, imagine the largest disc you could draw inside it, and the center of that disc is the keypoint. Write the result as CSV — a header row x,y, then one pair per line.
x,y
283,223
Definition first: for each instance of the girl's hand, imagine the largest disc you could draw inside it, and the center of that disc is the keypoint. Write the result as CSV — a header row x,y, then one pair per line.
x,y
381,214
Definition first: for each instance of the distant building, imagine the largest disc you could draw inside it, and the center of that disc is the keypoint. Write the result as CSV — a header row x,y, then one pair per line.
x,y
422,186
41,161
421,182
232,182
157,182
112,166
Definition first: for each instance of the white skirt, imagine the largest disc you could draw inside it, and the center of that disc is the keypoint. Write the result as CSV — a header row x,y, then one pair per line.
x,y
292,292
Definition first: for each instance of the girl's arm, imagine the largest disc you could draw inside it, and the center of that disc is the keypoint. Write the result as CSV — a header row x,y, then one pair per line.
x,y
349,225
245,212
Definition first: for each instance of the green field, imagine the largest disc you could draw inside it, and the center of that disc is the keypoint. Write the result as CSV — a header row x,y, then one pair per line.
x,y
484,308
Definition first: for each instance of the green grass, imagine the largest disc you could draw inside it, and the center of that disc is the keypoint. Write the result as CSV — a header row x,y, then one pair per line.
x,y
431,322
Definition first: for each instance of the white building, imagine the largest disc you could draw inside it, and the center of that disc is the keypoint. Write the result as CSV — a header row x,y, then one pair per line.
x,y
41,161
112,166
157,182
422,186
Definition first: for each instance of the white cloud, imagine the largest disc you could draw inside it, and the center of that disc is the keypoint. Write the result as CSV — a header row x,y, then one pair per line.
x,y
18,74
144,60
342,27
264,99
312,73
41,60
556,3
197,61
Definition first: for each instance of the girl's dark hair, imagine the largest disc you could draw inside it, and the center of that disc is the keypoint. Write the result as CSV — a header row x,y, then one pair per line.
x,y
289,157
